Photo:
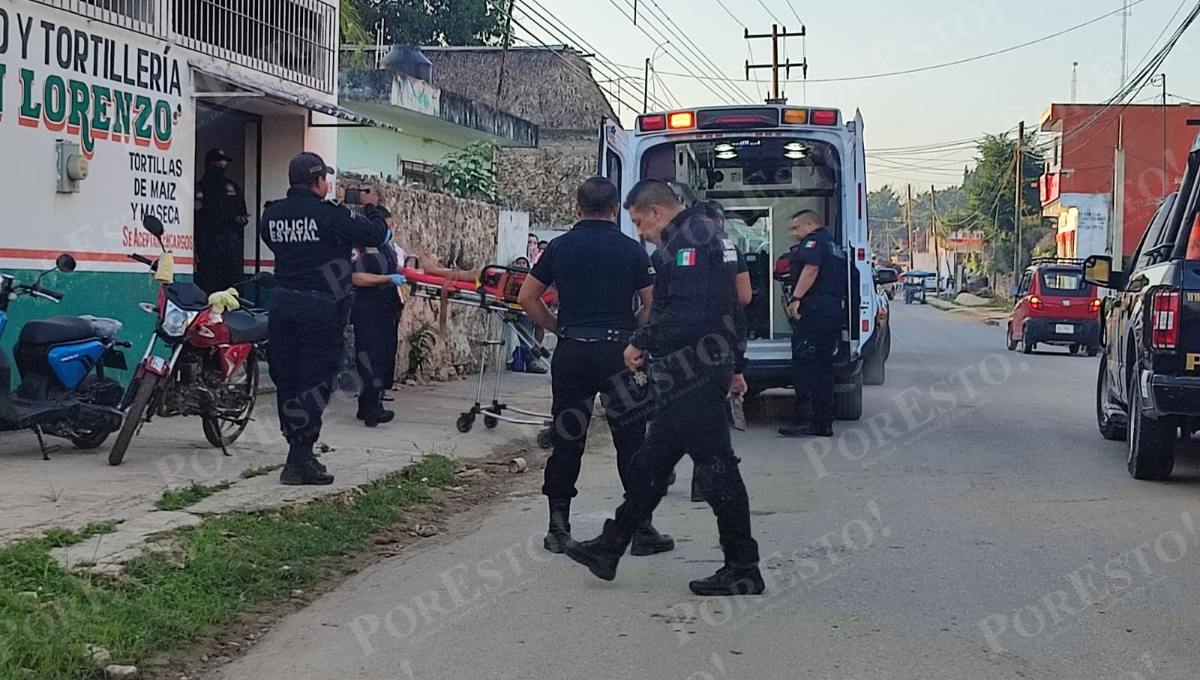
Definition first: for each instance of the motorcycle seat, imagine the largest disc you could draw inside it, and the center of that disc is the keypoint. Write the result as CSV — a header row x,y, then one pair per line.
x,y
246,327
56,330
105,329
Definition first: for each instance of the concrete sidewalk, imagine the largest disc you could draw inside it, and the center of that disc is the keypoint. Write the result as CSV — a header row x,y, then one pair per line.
x,y
77,487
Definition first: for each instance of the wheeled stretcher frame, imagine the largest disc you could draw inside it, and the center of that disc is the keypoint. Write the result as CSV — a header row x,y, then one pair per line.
x,y
496,293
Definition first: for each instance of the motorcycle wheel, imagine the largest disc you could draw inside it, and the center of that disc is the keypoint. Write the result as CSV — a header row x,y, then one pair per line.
x,y
92,440
133,420
222,432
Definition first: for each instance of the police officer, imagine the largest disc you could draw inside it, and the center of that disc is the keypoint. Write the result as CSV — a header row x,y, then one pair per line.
x,y
311,239
599,273
375,314
690,340
815,309
221,219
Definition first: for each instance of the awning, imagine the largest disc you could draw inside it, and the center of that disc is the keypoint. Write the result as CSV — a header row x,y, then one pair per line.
x,y
255,88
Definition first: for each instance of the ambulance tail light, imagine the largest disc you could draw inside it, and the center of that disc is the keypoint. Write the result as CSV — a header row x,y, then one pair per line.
x,y
1164,327
824,117
653,123
795,116
682,120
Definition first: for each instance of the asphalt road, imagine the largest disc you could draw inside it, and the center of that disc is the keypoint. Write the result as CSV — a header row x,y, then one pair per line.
x,y
977,527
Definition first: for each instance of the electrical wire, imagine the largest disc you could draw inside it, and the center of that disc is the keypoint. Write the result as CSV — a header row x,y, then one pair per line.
x,y
695,49
965,60
770,11
792,6
731,14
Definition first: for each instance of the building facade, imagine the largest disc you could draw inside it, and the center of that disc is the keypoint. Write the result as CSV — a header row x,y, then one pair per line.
x,y
1108,169
138,91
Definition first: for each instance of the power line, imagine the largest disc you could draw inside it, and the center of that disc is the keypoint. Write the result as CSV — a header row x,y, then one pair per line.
x,y
694,48
731,14
966,60
792,6
771,12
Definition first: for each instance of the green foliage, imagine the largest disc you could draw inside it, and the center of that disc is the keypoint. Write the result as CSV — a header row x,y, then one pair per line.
x,y
470,173
64,538
228,565
453,23
251,473
178,499
420,352
353,31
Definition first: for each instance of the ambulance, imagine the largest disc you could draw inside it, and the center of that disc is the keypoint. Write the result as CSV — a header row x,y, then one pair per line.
x,y
764,164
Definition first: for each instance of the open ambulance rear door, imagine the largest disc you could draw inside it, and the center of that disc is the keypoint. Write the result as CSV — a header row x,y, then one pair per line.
x,y
615,161
858,245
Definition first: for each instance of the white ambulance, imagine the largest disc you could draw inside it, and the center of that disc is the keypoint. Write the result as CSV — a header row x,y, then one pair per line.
x,y
765,163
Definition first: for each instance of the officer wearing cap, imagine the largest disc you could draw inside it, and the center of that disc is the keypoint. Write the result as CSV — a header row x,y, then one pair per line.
x,y
312,240
690,340
818,274
600,274
221,219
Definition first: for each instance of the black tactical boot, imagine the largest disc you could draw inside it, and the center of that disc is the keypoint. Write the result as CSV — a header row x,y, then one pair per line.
x,y
302,468
813,429
730,580
379,416
601,554
647,541
697,495
560,525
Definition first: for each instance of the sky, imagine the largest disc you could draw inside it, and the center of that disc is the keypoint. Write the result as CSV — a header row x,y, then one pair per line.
x,y
863,37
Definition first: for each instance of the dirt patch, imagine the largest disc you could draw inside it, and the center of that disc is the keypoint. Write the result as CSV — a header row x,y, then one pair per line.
x,y
454,512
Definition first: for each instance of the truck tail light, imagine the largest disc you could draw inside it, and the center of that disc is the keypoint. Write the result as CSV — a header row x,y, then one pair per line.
x,y
653,123
1035,303
1164,322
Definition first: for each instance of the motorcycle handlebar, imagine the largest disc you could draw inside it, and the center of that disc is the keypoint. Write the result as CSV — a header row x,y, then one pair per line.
x,y
144,260
47,293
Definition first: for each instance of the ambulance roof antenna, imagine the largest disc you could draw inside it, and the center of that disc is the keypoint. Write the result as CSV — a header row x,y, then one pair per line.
x,y
1074,81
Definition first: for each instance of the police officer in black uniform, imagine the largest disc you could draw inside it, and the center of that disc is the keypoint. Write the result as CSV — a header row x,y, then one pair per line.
x,y
221,219
376,309
312,239
599,273
815,308
690,340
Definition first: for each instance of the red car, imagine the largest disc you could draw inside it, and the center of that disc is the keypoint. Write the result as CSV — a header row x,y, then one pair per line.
x,y
1055,306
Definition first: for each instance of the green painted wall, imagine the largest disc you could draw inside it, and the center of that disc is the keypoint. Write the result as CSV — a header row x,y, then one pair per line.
x,y
378,149
113,295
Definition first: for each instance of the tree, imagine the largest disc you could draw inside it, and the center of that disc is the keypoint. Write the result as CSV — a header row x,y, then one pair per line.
x,y
885,217
433,22
351,24
991,191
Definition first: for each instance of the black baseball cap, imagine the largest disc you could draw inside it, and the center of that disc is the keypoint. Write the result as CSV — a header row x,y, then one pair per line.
x,y
306,168
216,156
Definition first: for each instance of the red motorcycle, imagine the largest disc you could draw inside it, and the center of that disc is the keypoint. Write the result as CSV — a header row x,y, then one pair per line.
x,y
212,367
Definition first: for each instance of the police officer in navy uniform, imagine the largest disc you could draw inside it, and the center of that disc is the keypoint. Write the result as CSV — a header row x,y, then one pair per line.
x,y
600,273
376,309
221,219
815,309
312,240
690,340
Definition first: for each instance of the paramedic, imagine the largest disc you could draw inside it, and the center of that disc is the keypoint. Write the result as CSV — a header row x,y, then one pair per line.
x,y
375,316
311,239
815,308
599,273
690,341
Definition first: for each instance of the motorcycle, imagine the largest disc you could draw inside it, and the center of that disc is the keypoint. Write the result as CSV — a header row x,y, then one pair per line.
x,y
64,391
212,368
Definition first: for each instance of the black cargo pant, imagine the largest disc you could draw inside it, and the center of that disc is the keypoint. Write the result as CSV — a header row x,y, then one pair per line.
x,y
579,371
376,321
814,339
219,263
305,350
690,417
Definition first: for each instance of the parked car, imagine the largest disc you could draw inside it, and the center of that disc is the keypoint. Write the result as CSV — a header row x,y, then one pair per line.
x,y
1148,383
875,366
1055,306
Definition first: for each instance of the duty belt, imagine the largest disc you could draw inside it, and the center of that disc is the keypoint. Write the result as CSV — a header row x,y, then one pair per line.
x,y
597,334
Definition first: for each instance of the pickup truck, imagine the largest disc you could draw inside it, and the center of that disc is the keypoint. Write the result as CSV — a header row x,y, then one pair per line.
x,y
1148,386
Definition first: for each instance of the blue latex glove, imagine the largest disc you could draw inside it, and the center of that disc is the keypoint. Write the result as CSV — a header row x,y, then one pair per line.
x,y
388,239
398,279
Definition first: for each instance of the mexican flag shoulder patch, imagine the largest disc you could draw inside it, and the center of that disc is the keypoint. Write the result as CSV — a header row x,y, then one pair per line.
x,y
686,258
810,245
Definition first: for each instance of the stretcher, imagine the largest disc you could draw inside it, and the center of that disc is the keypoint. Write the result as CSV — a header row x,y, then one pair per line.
x,y
494,291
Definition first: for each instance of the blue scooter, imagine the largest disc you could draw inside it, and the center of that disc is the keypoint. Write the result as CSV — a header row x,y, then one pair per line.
x,y
63,390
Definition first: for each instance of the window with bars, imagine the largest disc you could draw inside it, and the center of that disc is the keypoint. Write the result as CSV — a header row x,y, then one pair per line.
x,y
143,16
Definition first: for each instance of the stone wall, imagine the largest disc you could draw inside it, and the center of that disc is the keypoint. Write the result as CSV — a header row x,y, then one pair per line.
x,y
543,181
461,234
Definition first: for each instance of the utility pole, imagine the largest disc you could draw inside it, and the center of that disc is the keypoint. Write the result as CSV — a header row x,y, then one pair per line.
x,y
1020,167
1163,77
775,66
1124,42
646,88
504,55
908,218
937,257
